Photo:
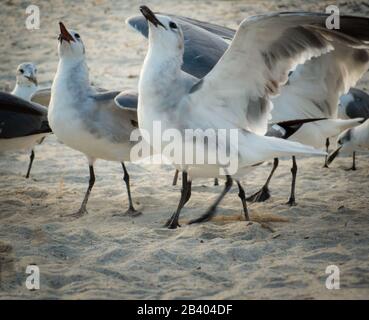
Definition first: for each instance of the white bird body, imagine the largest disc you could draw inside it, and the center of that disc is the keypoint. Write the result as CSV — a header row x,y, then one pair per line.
x,y
71,110
164,95
87,120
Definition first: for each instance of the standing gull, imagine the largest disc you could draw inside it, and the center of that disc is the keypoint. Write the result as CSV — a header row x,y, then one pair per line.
x,y
352,105
26,81
23,124
25,87
352,140
236,93
86,120
309,93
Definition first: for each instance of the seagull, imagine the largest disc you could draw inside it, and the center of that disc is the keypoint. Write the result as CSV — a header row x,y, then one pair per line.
x,y
23,124
26,86
85,119
306,95
352,140
352,105
26,81
236,93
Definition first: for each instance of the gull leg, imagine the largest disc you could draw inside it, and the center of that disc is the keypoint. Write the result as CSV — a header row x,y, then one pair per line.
x,y
173,223
131,210
82,210
31,158
211,211
353,168
216,182
264,194
175,178
242,195
326,157
291,201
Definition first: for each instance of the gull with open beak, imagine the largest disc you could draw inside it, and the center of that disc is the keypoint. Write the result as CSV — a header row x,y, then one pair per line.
x,y
86,120
236,93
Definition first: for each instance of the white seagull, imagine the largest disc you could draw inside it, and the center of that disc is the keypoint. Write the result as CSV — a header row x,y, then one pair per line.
x,y
86,120
351,141
26,81
25,87
236,93
307,95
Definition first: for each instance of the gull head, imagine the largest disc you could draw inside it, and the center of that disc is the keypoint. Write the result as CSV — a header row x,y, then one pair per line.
x,y
26,74
345,143
164,32
70,44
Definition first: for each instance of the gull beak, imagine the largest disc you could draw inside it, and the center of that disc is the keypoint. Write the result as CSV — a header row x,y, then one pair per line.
x,y
64,34
333,155
32,78
150,16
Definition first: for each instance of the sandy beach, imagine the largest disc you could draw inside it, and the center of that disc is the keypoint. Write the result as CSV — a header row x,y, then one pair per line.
x,y
282,254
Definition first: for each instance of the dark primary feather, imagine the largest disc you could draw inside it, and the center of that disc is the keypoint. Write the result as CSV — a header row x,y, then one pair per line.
x,y
19,118
291,127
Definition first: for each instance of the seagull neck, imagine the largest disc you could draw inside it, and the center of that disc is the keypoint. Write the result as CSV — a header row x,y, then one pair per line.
x,y
24,91
162,58
73,74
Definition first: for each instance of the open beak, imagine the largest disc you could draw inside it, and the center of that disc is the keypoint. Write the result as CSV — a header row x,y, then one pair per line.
x,y
333,155
150,16
64,34
32,79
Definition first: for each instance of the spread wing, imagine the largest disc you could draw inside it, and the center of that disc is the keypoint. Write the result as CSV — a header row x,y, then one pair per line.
x,y
315,87
257,63
203,46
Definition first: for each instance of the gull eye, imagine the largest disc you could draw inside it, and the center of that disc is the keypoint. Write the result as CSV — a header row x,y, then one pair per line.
x,y
172,25
77,36
21,70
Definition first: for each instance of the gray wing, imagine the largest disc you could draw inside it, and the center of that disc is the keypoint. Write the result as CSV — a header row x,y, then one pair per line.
x,y
104,118
19,118
202,49
127,100
42,96
221,31
357,105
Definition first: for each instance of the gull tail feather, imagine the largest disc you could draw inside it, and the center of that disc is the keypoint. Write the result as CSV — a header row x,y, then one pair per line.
x,y
263,148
